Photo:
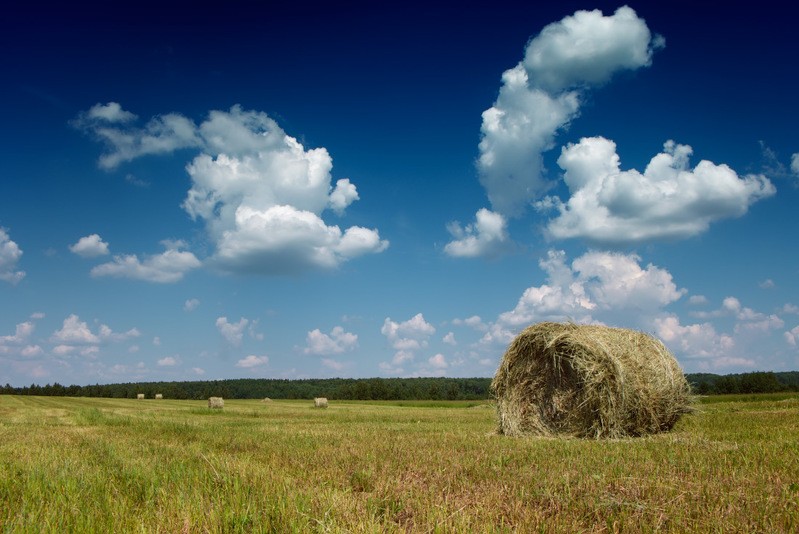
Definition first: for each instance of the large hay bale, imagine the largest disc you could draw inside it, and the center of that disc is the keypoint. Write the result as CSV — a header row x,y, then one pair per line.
x,y
320,402
159,396
588,381
216,402
139,396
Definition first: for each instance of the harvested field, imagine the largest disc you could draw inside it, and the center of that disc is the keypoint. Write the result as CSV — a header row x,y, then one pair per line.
x,y
117,465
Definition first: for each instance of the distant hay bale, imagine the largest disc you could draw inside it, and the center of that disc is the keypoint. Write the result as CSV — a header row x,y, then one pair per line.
x,y
139,396
588,381
158,396
320,402
216,402
266,399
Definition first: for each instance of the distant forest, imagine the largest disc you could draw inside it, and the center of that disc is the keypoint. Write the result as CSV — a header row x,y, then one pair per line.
x,y
373,388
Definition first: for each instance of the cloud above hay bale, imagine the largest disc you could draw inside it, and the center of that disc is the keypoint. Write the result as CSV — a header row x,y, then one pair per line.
x,y
542,94
669,199
593,282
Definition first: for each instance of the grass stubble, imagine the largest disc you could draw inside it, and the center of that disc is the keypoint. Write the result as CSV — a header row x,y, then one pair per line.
x,y
117,465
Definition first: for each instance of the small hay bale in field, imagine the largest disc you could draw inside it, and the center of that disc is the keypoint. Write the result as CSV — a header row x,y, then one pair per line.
x,y
320,402
266,399
588,381
158,396
139,396
216,402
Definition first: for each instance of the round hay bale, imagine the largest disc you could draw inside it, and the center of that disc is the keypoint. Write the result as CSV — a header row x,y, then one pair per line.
x,y
159,396
266,399
320,402
139,396
588,381
216,402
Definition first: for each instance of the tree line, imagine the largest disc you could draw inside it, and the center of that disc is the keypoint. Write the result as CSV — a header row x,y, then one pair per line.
x,y
372,388
757,382
258,388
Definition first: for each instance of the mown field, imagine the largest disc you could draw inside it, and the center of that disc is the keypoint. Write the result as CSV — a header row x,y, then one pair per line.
x,y
103,465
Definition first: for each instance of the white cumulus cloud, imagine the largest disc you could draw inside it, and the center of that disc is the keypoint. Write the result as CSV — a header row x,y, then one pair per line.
x,y
405,338
668,200
75,331
168,267
337,342
252,361
233,332
21,334
90,246
487,236
111,112
191,305
10,253
169,361
699,340
588,48
110,124
594,282
541,95
438,361
30,351
415,329
795,163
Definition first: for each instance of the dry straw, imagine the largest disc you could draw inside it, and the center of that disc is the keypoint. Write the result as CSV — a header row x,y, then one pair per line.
x,y
320,402
588,381
159,396
216,402
139,396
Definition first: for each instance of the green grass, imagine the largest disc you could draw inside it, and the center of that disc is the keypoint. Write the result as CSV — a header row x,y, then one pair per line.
x,y
115,465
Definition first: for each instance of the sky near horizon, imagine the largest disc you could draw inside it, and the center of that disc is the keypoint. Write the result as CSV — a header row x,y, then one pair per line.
x,y
392,189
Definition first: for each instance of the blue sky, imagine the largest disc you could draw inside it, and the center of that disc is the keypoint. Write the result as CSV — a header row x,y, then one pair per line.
x,y
392,189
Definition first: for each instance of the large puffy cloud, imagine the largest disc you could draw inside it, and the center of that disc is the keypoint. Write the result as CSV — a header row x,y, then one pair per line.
x,y
10,253
261,195
90,246
168,267
587,48
595,282
487,236
259,191
668,200
337,342
541,95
